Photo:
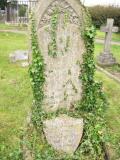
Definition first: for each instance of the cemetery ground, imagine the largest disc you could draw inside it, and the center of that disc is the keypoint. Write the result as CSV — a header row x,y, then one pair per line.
x,y
101,35
16,97
15,94
12,27
115,49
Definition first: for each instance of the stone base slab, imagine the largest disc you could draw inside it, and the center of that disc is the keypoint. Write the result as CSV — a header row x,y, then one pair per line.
x,y
106,59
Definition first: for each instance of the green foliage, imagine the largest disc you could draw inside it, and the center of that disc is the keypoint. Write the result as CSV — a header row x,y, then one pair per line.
x,y
3,4
93,102
37,75
52,48
101,13
22,10
66,18
15,154
88,69
13,113
91,89
91,108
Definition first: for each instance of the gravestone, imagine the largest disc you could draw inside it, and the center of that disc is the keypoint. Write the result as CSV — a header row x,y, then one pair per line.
x,y
63,87
106,58
20,56
58,29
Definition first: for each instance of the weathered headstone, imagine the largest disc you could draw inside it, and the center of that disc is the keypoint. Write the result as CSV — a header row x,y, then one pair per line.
x,y
20,56
58,29
63,87
106,58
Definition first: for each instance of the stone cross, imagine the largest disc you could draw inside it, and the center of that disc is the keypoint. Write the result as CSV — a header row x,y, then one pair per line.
x,y
106,58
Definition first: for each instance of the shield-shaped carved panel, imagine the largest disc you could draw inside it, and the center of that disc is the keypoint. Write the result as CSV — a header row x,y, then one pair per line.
x,y
64,133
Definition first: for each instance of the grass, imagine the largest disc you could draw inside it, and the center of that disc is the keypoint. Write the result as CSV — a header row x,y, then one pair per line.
x,y
12,27
15,94
16,97
101,35
112,90
112,114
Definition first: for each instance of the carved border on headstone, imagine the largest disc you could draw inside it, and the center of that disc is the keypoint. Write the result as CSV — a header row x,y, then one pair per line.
x,y
63,7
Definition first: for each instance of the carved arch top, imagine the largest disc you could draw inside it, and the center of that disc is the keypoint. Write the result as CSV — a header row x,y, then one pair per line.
x,y
63,7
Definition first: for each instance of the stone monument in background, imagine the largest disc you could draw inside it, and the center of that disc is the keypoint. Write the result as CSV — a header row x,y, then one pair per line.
x,y
106,58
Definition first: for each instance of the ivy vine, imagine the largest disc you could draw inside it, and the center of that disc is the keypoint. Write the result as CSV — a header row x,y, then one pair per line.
x,y
52,47
93,102
66,18
37,75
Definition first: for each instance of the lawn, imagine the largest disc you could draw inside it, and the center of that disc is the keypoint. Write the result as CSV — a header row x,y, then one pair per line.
x,y
13,27
101,35
112,114
16,97
112,90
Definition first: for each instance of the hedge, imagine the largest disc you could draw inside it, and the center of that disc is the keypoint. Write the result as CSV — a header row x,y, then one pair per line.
x,y
101,13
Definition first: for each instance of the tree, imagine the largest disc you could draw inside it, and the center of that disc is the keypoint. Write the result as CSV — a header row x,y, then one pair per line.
x,y
3,4
22,10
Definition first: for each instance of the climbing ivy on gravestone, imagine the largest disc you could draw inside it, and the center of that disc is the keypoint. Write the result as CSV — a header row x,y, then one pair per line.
x,y
65,93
